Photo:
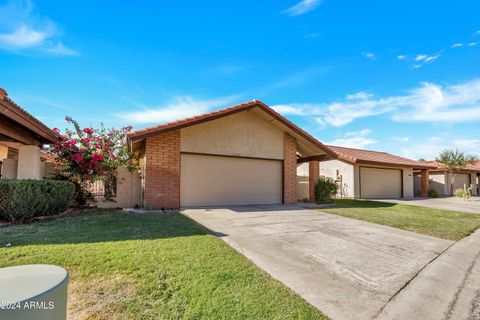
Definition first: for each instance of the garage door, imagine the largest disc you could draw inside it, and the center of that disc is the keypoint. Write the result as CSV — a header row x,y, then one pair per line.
x,y
460,180
380,183
215,180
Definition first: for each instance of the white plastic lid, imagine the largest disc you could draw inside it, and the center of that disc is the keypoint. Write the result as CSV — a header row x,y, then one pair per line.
x,y
25,282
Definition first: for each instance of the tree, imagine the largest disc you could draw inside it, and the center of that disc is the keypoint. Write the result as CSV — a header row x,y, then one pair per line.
x,y
83,156
454,161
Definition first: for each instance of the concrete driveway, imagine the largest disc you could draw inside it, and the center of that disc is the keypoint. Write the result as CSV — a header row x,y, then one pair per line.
x,y
451,203
347,268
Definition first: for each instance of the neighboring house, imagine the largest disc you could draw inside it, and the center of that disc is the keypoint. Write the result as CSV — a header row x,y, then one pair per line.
x,y
440,181
246,154
371,174
21,139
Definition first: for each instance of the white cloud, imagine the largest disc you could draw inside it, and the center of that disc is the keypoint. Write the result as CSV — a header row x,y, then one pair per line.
x,y
401,139
21,29
472,44
180,108
428,103
457,45
431,147
302,7
401,57
354,139
427,58
476,33
369,55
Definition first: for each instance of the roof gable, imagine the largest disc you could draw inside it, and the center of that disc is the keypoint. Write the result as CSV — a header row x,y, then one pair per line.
x,y
163,128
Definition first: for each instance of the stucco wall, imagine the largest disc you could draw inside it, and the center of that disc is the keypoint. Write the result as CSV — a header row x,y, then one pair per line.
x,y
9,168
128,191
345,170
439,182
408,183
241,134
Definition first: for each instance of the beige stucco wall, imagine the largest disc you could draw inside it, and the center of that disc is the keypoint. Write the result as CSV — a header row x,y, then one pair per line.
x,y
302,188
345,170
241,134
29,164
408,183
128,191
3,152
9,168
439,182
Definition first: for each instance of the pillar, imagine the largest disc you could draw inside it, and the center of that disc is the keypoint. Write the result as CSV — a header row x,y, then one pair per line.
x,y
425,182
29,164
313,175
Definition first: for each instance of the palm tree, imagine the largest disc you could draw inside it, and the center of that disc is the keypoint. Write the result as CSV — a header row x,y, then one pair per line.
x,y
454,161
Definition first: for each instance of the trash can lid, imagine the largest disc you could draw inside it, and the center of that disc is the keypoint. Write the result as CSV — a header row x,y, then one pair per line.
x,y
20,283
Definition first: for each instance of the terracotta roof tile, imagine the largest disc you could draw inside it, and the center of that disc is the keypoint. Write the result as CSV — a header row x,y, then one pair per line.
x,y
35,125
469,167
377,157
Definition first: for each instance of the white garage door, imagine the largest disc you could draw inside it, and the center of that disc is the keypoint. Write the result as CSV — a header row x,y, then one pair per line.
x,y
215,180
460,180
380,183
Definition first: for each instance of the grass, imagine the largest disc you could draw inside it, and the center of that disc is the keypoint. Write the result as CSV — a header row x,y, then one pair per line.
x,y
150,266
433,222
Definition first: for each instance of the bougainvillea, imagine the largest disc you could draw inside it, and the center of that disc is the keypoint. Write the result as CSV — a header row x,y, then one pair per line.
x,y
86,155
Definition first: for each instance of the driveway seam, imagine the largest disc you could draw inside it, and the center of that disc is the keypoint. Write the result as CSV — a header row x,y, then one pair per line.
x,y
453,303
409,281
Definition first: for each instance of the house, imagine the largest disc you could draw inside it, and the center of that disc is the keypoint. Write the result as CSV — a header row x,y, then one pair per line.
x,y
440,178
245,154
372,174
21,139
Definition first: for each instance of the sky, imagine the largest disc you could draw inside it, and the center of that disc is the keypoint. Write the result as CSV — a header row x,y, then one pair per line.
x,y
396,76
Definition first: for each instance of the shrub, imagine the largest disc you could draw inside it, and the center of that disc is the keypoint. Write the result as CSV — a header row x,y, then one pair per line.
x,y
325,189
433,193
22,200
459,193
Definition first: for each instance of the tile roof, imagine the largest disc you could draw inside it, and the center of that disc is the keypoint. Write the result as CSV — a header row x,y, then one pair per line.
x,y
376,157
143,133
13,111
468,167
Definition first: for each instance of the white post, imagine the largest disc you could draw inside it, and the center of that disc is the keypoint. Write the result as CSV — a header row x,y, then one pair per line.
x,y
29,164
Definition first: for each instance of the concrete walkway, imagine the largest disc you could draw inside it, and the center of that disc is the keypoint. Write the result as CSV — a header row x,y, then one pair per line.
x,y
451,203
347,268
448,288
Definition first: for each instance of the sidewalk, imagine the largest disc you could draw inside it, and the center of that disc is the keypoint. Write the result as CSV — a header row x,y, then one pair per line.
x,y
447,288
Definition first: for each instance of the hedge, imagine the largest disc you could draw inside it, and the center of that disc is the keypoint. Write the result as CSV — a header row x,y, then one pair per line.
x,y
23,200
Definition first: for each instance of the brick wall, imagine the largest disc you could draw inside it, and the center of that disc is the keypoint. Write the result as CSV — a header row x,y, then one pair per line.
x,y
289,169
162,171
313,175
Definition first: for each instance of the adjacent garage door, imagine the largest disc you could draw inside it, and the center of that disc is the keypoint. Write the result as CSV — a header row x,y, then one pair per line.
x,y
216,180
380,183
460,180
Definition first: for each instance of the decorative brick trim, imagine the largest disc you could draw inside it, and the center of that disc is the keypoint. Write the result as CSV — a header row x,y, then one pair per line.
x,y
313,175
289,169
162,171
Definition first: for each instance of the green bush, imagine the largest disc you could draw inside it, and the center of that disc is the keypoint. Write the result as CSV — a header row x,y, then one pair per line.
x,y
325,189
459,193
22,200
433,193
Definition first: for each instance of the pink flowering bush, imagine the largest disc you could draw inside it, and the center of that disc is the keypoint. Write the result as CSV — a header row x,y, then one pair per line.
x,y
88,154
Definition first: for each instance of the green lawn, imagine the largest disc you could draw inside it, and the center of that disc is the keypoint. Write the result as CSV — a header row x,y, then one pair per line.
x,y
150,266
434,222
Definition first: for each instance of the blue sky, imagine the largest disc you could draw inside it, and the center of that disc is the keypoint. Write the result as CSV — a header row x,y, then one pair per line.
x,y
399,76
